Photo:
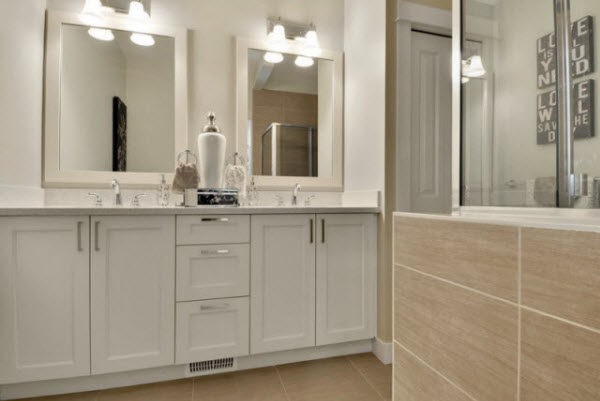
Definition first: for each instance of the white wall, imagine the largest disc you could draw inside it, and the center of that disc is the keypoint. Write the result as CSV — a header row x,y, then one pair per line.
x,y
364,114
21,74
93,73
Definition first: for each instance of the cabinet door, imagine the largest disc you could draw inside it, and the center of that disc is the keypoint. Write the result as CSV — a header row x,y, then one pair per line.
x,y
282,283
346,277
132,292
44,298
212,329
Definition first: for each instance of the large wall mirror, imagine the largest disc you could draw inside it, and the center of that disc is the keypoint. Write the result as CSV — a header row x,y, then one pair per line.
x,y
290,117
115,107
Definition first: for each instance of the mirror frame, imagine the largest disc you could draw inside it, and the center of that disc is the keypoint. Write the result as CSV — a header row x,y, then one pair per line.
x,y
56,178
270,183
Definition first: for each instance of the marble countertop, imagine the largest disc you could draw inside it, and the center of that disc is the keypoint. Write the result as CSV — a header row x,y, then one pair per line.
x,y
177,210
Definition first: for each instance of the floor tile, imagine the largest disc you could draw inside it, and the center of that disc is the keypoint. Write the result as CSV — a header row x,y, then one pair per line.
x,y
177,390
252,385
376,373
332,379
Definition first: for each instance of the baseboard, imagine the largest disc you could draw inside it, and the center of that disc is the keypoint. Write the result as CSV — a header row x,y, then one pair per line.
x,y
102,382
383,351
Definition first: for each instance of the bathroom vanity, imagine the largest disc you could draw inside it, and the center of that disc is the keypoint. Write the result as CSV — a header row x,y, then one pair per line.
x,y
90,291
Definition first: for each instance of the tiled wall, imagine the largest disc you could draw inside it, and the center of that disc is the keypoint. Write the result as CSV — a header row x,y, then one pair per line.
x,y
495,312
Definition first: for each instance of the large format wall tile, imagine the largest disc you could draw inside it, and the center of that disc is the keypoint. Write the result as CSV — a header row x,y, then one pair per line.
x,y
561,273
481,256
560,361
414,381
469,338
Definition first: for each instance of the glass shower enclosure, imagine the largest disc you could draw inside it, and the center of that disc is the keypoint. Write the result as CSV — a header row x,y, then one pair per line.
x,y
290,150
528,94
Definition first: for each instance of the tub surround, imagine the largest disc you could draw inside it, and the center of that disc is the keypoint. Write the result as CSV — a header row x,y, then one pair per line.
x,y
495,309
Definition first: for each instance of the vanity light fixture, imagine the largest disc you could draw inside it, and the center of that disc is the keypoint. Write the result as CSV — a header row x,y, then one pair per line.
x,y
92,13
276,39
273,58
105,35
304,62
142,39
473,67
311,43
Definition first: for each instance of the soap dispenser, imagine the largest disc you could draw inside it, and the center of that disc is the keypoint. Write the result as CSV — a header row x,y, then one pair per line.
x,y
211,151
163,192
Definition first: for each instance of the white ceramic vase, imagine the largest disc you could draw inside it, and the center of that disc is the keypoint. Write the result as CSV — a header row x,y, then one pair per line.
x,y
211,152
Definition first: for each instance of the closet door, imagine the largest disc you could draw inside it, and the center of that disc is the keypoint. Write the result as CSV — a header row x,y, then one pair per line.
x,y
282,283
44,298
132,292
346,277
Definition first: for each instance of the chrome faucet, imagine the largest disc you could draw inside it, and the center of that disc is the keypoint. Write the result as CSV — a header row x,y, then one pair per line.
x,y
295,195
118,199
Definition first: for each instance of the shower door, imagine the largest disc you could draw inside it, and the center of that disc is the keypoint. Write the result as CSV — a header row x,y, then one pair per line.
x,y
528,104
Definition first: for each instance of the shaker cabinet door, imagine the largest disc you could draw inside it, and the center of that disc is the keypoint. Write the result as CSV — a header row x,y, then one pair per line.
x,y
44,298
346,277
282,282
132,292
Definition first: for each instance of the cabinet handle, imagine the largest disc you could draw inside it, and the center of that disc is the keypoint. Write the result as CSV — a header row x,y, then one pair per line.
x,y
222,220
219,252
312,231
323,231
79,244
96,232
214,307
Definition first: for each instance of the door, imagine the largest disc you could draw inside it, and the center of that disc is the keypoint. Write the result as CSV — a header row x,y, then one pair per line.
x,y
44,298
346,277
282,282
431,124
212,329
132,292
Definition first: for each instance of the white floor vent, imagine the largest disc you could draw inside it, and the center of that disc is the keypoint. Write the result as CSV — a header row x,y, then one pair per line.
x,y
211,367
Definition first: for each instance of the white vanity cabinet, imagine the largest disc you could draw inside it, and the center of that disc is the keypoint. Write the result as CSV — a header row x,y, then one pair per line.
x,y
282,282
132,292
44,298
346,277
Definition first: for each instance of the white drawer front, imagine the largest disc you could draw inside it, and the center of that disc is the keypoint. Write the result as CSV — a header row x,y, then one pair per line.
x,y
212,271
213,229
212,329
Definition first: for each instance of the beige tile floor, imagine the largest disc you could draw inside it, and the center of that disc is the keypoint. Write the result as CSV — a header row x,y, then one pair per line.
x,y
353,378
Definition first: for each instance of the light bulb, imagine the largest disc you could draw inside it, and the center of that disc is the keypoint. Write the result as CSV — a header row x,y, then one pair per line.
x,y
311,44
304,62
142,39
92,13
473,67
276,39
101,34
279,33
136,10
273,58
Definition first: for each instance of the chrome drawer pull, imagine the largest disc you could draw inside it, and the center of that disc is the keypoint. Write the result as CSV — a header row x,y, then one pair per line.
x,y
219,252
79,244
220,220
96,235
214,307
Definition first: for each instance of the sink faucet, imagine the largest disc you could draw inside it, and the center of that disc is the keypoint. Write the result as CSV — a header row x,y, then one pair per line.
x,y
118,199
295,195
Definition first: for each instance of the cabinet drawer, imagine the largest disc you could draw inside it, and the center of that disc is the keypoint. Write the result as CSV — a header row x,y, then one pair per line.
x,y
212,329
213,229
212,271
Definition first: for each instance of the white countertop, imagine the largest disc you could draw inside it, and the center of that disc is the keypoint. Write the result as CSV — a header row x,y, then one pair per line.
x,y
177,210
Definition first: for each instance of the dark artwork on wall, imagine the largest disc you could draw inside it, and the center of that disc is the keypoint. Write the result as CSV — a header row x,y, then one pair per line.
x,y
119,160
583,113
582,56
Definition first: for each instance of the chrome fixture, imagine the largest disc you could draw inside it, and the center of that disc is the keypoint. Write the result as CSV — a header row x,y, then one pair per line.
x,y
135,201
117,188
97,199
295,195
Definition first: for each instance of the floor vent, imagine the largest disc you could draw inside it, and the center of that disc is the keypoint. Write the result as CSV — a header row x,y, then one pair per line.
x,y
211,367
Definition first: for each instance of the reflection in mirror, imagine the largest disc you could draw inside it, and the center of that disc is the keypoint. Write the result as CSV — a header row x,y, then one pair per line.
x,y
117,103
290,111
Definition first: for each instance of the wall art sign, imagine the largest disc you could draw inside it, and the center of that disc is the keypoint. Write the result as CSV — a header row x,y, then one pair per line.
x,y
582,53
583,113
119,160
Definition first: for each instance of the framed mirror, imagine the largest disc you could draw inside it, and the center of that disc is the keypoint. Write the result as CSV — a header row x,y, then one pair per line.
x,y
290,117
116,102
